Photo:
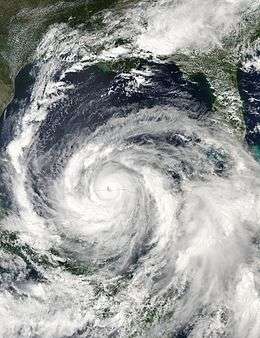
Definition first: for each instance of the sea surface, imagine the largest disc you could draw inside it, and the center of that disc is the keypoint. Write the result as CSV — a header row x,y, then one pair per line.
x,y
129,206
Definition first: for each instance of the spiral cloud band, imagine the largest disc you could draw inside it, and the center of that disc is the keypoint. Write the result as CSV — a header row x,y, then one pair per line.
x,y
136,214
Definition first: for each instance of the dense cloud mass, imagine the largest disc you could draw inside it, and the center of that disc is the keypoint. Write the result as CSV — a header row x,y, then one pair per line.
x,y
131,209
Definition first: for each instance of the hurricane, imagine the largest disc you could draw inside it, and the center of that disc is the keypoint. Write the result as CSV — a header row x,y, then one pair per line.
x,y
129,208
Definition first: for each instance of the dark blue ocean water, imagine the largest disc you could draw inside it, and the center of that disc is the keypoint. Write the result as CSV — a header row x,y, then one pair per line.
x,y
249,88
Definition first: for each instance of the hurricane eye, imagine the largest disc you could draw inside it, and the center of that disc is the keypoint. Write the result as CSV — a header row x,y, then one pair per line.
x,y
129,172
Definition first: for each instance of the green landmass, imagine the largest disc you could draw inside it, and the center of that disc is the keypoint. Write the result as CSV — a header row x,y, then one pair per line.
x,y
23,22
